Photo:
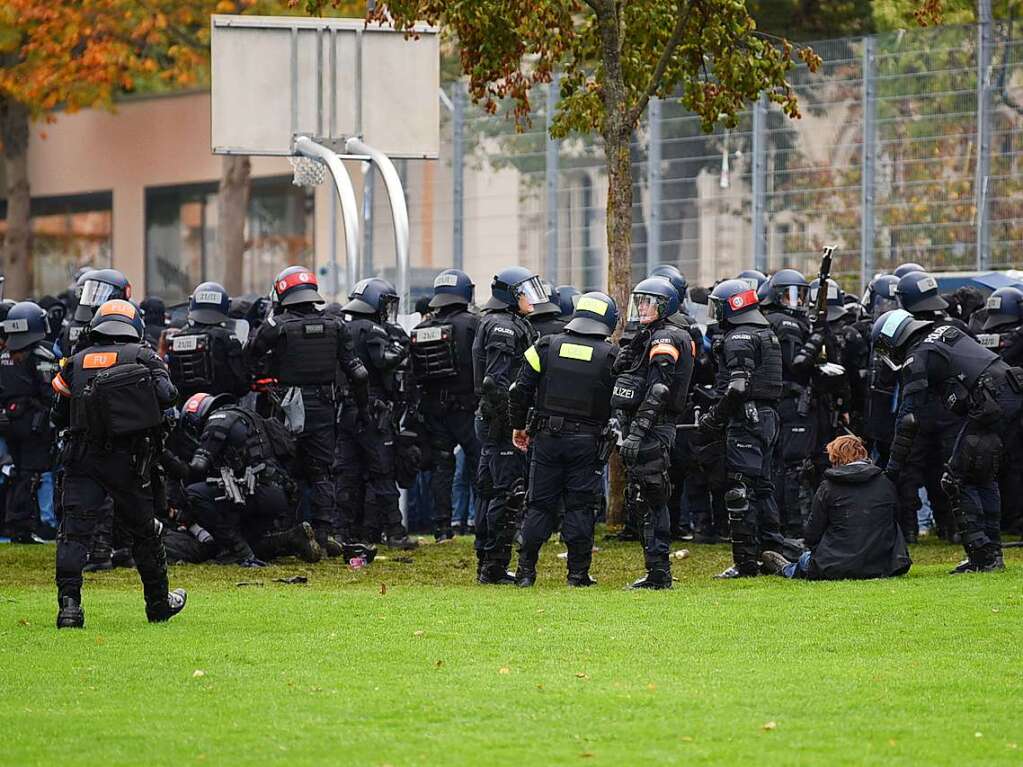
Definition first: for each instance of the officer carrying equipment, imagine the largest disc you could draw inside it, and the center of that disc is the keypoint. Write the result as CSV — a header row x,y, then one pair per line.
x,y
112,396
567,379
750,385
653,373
302,348
94,288
501,339
205,355
442,370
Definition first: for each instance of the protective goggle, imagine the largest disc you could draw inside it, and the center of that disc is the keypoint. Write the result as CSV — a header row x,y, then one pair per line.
x,y
95,293
532,290
792,296
645,308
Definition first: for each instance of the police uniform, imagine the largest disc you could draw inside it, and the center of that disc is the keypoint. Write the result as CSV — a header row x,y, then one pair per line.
x,y
207,358
253,518
1007,341
367,449
501,340
111,397
441,365
25,397
568,379
303,349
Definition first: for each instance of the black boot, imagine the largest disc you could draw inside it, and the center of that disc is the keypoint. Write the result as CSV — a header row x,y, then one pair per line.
x,y
328,545
99,562
402,543
654,579
364,551
525,577
580,579
736,571
495,575
163,610
299,541
70,615
122,558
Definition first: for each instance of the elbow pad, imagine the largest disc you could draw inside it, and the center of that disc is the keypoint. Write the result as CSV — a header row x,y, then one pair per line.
x,y
201,464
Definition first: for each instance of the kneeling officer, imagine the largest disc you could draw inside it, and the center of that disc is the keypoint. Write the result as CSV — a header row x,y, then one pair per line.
x,y
112,395
567,379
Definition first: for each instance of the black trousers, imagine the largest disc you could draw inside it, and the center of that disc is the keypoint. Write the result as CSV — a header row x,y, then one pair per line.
x,y
315,447
564,467
448,430
752,509
367,485
797,443
91,474
502,483
648,488
30,451
238,529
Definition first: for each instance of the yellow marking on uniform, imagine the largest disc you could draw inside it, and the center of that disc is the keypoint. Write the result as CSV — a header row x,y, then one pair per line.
x,y
591,305
533,358
668,349
576,352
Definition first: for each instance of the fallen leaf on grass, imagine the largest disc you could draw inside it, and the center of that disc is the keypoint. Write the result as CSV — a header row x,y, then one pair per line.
x,y
418,633
504,670
978,735
582,675
23,622
383,589
249,583
681,554
768,726
198,673
100,640
438,663
404,560
586,755
687,739
651,686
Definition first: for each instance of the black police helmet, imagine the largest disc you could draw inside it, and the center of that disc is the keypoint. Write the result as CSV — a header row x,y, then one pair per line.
x,y
910,266
657,289
452,286
891,333
26,324
567,295
373,296
1004,307
835,299
788,290
736,302
752,277
512,282
98,287
595,314
918,292
672,274
198,408
210,304
296,285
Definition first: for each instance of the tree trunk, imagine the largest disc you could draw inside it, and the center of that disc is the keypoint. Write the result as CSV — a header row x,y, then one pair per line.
x,y
17,250
619,268
232,210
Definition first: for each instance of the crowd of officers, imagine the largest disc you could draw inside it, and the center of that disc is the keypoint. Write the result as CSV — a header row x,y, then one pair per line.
x,y
263,428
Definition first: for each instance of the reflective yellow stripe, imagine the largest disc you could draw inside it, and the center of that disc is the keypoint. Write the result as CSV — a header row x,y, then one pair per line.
x,y
533,358
587,304
576,352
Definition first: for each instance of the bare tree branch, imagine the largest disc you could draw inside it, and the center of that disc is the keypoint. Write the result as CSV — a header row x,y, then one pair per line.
x,y
662,63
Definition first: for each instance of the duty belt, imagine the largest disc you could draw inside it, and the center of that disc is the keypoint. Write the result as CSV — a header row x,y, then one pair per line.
x,y
556,424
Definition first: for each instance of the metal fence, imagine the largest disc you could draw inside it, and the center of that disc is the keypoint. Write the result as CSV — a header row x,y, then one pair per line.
x,y
909,149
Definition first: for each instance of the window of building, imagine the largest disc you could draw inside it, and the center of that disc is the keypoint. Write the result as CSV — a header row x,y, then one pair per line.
x,y
67,233
181,235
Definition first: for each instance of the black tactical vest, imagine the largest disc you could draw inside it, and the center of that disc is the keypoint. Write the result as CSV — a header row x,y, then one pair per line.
x,y
125,403
227,425
506,323
191,360
307,351
577,382
441,349
792,333
969,357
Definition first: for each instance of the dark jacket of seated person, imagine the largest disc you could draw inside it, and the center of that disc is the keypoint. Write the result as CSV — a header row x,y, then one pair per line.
x,y
852,529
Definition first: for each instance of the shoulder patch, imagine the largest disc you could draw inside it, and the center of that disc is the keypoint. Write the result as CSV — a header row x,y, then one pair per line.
x,y
99,360
576,352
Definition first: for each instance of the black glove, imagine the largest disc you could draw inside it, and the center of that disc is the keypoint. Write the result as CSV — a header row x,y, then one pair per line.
x,y
711,421
951,485
200,465
629,450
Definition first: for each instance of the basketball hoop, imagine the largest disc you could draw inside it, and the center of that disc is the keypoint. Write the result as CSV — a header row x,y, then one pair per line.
x,y
309,171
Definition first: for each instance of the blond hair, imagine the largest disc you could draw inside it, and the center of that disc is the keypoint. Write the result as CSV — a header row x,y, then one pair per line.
x,y
846,449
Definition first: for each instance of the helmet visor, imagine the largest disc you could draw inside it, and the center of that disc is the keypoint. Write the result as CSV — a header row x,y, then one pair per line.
x,y
95,293
645,308
389,309
532,290
792,296
882,305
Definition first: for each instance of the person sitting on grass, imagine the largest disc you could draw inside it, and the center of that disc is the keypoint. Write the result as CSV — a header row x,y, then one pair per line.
x,y
852,531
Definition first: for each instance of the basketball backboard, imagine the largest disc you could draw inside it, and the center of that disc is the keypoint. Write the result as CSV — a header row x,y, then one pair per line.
x,y
278,77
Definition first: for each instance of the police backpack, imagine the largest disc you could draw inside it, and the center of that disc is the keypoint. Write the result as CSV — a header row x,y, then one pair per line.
x,y
119,402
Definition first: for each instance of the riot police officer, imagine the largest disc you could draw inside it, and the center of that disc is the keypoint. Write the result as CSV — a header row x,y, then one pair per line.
x,y
653,373
111,398
97,287
441,353
367,458
970,380
1003,333
567,296
501,339
910,266
567,379
27,367
881,400
303,348
750,372
239,489
785,308
546,317
205,355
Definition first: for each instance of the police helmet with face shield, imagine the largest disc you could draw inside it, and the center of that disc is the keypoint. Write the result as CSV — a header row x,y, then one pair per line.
x,y
918,292
511,283
880,296
25,324
788,290
118,318
209,304
735,302
910,266
835,299
754,278
672,274
452,286
374,296
98,287
198,408
1004,307
595,314
891,334
653,299
568,297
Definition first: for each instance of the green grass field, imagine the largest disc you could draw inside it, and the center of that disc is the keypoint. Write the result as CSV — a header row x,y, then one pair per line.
x,y
408,662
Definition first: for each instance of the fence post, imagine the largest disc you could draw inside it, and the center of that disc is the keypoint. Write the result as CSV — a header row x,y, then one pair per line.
x,y
653,236
759,227
869,161
553,149
458,173
980,190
